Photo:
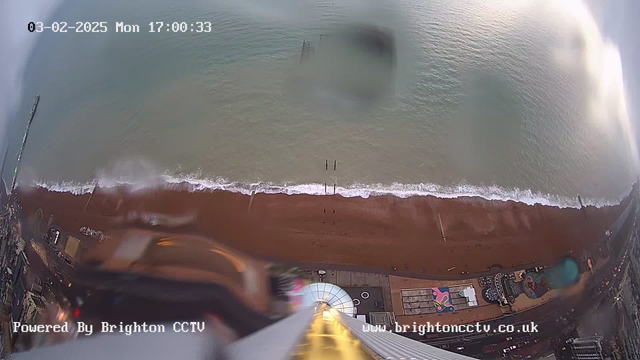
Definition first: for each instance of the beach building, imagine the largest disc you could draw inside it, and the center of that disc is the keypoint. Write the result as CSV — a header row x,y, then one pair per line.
x,y
34,305
589,348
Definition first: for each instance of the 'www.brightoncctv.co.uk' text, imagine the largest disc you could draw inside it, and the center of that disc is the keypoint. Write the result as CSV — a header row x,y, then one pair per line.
x,y
428,327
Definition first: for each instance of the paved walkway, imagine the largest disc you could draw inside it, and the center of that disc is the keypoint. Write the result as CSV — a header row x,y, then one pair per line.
x,y
345,278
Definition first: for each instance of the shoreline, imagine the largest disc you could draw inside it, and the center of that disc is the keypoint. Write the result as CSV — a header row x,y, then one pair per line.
x,y
400,190
378,232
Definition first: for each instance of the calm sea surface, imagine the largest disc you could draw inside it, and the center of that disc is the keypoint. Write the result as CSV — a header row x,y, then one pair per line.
x,y
480,103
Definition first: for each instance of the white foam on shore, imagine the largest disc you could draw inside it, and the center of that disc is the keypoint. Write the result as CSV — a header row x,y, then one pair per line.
x,y
194,184
66,186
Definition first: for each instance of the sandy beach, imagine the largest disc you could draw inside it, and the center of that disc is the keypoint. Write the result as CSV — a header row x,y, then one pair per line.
x,y
382,231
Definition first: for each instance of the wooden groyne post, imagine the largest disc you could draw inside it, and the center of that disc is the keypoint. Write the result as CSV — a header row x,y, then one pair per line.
x,y
90,197
307,50
253,194
582,208
441,228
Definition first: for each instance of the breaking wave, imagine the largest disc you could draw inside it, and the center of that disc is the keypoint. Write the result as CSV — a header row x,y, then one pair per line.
x,y
195,183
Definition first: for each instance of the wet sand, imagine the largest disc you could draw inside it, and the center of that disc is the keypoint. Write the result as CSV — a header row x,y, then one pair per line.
x,y
381,232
